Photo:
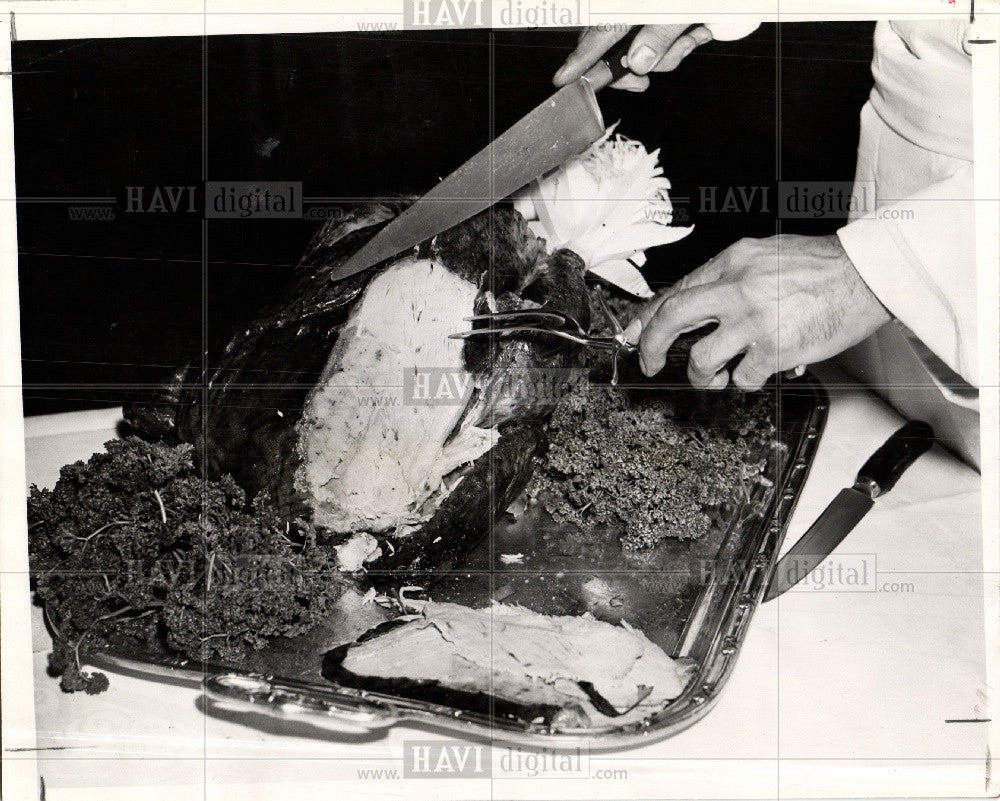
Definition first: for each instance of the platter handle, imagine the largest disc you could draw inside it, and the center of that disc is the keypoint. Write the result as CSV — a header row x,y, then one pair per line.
x,y
338,712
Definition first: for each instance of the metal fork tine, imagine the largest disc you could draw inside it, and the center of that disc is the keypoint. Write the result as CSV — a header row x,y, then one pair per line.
x,y
521,329
519,314
539,321
571,321
616,327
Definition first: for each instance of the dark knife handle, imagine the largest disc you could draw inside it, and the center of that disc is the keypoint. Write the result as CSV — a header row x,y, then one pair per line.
x,y
616,60
881,472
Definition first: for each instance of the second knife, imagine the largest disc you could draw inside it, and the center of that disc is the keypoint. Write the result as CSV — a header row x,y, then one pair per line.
x,y
877,476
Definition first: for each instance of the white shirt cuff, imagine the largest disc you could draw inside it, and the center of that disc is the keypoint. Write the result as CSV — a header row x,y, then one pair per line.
x,y
727,31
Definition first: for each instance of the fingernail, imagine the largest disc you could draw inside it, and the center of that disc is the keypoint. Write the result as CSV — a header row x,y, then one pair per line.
x,y
702,35
719,380
633,329
685,51
642,366
563,71
642,60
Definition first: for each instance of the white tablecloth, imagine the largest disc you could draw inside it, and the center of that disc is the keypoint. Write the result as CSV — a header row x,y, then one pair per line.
x,y
836,692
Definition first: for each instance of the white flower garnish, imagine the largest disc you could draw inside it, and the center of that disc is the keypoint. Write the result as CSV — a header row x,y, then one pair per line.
x,y
609,204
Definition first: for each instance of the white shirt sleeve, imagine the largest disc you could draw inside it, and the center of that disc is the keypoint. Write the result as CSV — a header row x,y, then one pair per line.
x,y
917,255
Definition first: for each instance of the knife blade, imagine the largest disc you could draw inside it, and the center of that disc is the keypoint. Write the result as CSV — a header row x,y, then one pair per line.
x,y
563,126
877,476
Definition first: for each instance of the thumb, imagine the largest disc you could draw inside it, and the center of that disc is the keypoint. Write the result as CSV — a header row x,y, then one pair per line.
x,y
633,331
707,273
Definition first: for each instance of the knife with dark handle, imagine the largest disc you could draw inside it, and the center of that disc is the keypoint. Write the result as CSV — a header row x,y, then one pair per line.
x,y
563,126
877,476
616,60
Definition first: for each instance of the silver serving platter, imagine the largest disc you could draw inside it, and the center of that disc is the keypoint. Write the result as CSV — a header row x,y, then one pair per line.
x,y
701,617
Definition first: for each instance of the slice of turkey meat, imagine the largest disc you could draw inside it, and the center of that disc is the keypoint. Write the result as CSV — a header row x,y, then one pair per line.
x,y
500,645
374,458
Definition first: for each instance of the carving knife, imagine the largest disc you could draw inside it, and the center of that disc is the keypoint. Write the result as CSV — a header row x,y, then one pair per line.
x,y
877,476
562,127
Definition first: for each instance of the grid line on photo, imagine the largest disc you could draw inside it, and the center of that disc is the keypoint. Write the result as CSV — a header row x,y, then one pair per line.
x,y
779,377
204,374
494,347
473,571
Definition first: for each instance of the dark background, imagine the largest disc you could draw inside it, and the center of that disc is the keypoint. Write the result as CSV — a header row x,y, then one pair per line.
x,y
110,306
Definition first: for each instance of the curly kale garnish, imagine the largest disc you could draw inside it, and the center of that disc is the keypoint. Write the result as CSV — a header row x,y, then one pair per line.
x,y
652,466
135,544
